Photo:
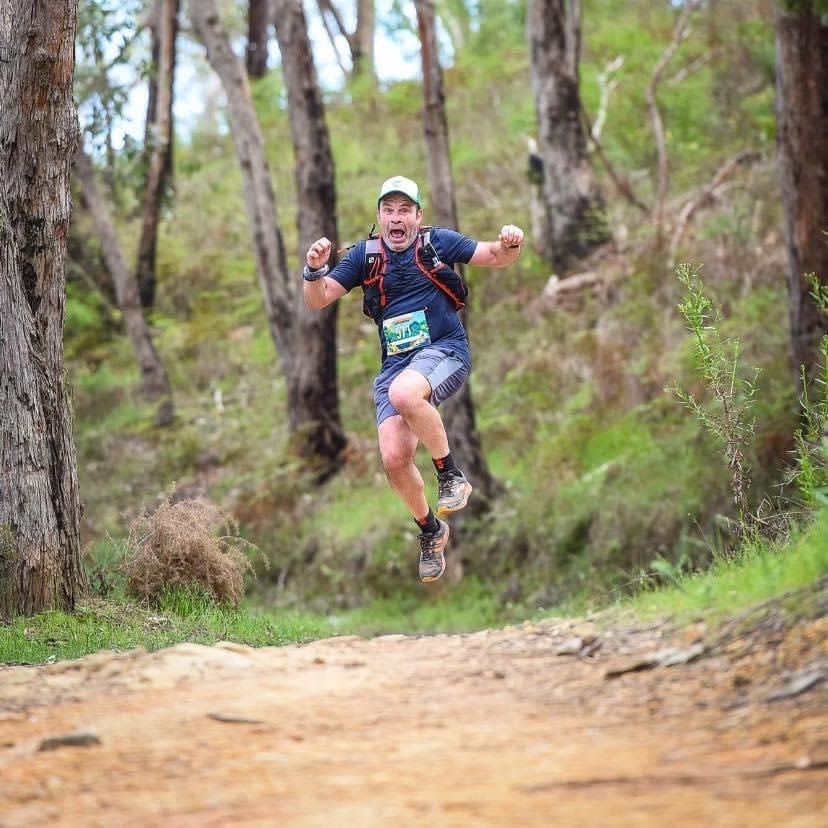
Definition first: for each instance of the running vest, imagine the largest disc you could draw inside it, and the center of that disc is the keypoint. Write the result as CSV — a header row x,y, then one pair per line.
x,y
376,262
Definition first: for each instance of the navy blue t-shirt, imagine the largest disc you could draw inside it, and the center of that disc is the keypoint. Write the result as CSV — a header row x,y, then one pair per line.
x,y
407,288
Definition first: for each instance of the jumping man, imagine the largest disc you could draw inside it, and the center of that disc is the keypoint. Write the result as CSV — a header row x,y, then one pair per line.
x,y
413,294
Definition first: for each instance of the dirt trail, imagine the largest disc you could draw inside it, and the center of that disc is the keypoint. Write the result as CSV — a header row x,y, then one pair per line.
x,y
513,727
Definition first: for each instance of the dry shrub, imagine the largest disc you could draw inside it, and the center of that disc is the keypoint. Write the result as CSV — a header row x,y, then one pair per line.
x,y
191,542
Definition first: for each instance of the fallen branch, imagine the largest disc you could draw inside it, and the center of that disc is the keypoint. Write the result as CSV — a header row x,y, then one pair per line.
x,y
557,288
623,187
704,196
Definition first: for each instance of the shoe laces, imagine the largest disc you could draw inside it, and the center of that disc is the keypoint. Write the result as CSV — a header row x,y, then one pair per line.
x,y
428,543
446,483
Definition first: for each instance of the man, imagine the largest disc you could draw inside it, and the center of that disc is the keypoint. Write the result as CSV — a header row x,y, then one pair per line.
x,y
413,294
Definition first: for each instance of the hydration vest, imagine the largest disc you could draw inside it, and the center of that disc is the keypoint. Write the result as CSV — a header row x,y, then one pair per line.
x,y
429,263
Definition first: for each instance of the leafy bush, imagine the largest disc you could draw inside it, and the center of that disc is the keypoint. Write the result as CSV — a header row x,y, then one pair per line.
x,y
729,417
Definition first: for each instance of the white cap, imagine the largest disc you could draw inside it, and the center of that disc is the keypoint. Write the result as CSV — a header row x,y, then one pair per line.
x,y
400,184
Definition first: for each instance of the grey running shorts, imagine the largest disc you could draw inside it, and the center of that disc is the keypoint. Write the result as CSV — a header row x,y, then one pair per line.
x,y
444,368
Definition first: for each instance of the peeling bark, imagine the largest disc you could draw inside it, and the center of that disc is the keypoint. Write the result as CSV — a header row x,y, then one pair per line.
x,y
40,506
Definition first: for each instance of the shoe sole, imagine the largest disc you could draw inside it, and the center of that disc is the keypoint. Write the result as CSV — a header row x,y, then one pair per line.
x,y
450,510
431,578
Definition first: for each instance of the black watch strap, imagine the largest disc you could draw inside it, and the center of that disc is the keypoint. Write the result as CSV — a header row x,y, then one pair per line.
x,y
310,275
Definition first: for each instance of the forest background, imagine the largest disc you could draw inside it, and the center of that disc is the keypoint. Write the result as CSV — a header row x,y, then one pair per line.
x,y
605,483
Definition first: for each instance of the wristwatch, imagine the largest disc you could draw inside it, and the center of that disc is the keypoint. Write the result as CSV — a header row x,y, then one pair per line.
x,y
310,275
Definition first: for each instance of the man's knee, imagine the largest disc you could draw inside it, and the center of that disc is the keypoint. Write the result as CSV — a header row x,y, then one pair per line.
x,y
408,391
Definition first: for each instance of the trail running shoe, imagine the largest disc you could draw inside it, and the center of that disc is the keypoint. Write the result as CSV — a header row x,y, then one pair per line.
x,y
453,492
432,559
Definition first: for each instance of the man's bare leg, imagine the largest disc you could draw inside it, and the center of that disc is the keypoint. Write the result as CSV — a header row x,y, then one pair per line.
x,y
397,444
410,393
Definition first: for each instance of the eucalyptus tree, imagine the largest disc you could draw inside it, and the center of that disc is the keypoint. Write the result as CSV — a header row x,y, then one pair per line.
x,y
155,383
314,380
40,506
802,144
258,25
312,420
459,410
575,221
360,41
101,95
157,140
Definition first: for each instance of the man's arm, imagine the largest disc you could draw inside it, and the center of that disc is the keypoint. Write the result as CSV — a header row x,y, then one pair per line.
x,y
500,253
320,290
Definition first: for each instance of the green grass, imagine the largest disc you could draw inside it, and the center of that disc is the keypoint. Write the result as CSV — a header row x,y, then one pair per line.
x,y
189,616
116,625
468,606
763,570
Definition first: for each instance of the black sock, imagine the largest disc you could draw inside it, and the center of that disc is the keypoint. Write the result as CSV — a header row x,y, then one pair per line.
x,y
428,525
444,464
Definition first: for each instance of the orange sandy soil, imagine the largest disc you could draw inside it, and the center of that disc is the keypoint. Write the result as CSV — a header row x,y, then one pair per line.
x,y
490,728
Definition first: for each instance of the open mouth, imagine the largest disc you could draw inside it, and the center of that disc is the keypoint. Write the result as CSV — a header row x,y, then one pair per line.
x,y
396,234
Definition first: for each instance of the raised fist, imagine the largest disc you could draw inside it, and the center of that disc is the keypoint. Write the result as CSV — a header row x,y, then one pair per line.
x,y
318,253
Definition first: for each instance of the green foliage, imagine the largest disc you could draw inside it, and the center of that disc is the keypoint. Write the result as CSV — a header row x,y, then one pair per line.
x,y
729,418
811,470
799,7
761,570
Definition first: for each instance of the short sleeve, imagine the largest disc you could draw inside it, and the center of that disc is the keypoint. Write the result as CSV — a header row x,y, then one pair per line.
x,y
451,246
348,270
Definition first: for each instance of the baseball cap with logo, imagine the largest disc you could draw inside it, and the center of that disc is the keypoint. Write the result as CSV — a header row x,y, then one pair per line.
x,y
400,184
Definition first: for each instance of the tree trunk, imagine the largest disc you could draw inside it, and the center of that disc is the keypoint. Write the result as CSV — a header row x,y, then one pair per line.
x,y
459,417
575,220
802,144
362,50
279,292
258,22
440,178
313,399
155,384
159,142
313,418
360,41
40,506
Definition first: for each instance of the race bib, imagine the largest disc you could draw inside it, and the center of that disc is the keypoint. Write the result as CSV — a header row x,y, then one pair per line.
x,y
405,332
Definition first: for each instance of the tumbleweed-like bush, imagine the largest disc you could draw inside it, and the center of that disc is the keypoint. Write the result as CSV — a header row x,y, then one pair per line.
x,y
185,544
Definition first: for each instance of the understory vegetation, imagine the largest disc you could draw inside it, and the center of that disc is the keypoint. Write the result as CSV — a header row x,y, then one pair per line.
x,y
612,488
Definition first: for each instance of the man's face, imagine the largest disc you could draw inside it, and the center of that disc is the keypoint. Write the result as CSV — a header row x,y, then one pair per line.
x,y
399,220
